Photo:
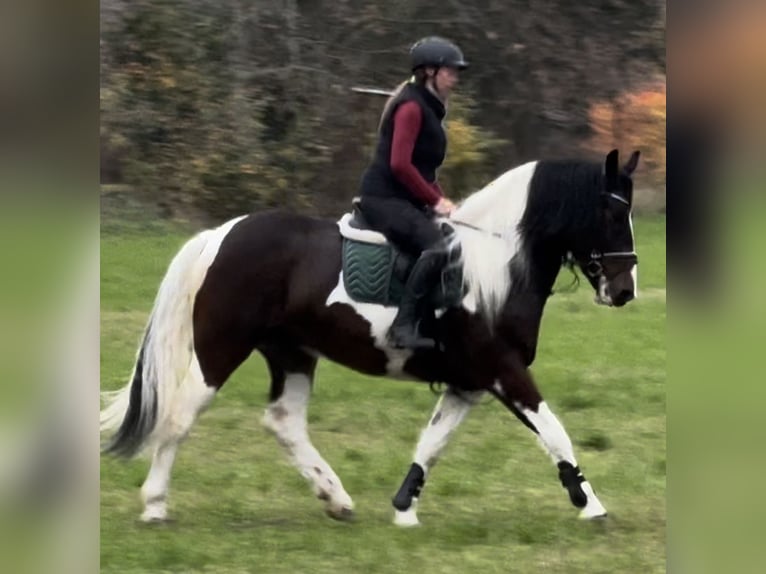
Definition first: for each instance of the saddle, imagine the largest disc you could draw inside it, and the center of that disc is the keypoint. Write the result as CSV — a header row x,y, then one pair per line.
x,y
375,271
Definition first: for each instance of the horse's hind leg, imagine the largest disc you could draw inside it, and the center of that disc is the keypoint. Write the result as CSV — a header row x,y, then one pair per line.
x,y
518,392
292,374
192,398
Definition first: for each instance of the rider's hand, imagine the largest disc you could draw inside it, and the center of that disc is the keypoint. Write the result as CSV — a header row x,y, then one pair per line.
x,y
444,207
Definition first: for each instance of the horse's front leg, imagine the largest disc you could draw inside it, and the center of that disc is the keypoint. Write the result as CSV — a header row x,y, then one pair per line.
x,y
516,389
447,416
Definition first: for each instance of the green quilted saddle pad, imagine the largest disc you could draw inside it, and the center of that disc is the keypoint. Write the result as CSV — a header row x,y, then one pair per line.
x,y
374,273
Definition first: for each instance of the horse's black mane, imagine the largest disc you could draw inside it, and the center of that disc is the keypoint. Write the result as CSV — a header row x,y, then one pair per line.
x,y
563,201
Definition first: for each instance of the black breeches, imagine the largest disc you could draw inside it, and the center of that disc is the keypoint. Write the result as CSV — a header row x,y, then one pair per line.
x,y
404,225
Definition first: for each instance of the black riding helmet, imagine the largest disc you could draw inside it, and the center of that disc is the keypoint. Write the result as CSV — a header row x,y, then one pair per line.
x,y
437,52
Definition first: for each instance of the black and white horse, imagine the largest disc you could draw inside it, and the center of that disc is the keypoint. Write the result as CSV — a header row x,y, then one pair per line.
x,y
273,282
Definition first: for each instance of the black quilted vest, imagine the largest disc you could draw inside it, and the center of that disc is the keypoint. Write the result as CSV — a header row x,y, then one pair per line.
x,y
428,154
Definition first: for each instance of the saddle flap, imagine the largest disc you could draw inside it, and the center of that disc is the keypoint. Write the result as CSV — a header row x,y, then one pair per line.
x,y
369,272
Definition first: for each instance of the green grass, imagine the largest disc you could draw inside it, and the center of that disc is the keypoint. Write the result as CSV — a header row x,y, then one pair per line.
x,y
493,504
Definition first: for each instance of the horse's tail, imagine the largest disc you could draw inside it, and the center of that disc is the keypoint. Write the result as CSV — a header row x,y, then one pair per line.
x,y
141,408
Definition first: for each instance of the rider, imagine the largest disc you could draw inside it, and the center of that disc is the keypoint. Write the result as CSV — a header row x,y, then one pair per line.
x,y
399,192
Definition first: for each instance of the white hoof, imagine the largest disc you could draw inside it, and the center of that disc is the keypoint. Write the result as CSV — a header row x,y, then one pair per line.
x,y
343,500
594,508
155,513
339,504
344,514
409,517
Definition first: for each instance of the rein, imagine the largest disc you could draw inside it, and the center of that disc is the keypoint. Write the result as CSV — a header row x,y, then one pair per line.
x,y
470,226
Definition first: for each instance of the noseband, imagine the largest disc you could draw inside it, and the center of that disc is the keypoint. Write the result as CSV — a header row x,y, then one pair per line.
x,y
595,266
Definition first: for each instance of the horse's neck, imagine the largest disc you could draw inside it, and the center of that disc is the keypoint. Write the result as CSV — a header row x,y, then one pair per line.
x,y
532,280
488,220
519,322
499,206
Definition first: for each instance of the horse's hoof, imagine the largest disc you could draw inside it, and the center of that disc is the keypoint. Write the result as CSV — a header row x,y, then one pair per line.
x,y
344,514
155,513
148,518
406,518
589,516
593,508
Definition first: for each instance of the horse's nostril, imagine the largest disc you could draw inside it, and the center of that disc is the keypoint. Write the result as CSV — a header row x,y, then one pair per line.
x,y
623,297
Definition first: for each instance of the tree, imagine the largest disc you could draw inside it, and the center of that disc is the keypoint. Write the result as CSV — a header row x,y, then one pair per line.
x,y
226,106
634,120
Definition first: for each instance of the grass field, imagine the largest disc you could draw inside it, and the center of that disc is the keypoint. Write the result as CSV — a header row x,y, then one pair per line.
x,y
493,504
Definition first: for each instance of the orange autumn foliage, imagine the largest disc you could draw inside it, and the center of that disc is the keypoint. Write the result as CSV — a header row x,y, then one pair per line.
x,y
634,120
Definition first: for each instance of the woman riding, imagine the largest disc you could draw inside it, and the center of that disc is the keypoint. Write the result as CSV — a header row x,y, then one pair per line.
x,y
399,191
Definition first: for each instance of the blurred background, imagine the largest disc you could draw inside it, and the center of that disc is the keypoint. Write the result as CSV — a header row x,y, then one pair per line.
x,y
213,108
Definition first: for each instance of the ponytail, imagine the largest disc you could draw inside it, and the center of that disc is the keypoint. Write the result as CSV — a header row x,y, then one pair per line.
x,y
418,78
390,101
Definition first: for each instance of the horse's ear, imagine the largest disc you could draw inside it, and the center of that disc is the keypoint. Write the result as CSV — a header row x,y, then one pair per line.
x,y
632,164
612,165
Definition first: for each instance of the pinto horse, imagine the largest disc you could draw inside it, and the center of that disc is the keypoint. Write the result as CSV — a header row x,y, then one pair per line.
x,y
273,282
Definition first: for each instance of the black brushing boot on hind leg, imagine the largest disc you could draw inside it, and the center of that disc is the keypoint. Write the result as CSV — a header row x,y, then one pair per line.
x,y
425,275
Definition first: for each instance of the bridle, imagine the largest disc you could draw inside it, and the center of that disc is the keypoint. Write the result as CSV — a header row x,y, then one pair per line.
x,y
595,266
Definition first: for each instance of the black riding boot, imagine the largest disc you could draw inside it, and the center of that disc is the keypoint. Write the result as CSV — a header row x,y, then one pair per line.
x,y
424,276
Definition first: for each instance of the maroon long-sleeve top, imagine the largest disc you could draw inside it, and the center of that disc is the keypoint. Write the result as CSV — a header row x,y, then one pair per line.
x,y
407,121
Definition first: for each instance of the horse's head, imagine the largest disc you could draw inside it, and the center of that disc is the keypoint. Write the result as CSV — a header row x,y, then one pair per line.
x,y
610,262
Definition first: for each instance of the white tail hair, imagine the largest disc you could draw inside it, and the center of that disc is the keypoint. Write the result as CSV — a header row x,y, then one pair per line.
x,y
138,411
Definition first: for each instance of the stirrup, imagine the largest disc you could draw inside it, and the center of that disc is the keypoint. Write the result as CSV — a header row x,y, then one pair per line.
x,y
410,340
